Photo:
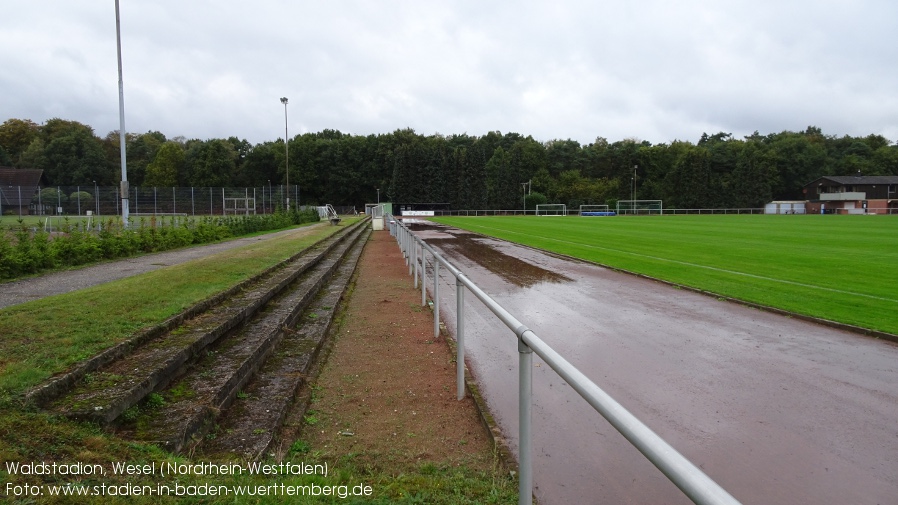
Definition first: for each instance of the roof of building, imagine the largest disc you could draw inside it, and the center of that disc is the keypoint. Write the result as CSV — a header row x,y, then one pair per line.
x,y
25,181
20,176
860,179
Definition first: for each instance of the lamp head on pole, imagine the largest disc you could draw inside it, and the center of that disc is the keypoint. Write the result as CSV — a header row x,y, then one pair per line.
x,y
284,100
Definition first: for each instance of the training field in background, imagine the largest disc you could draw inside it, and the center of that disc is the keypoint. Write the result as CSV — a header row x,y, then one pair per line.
x,y
841,268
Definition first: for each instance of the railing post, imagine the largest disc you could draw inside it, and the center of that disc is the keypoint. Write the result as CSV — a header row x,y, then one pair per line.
x,y
416,263
423,277
460,337
436,298
405,236
525,453
413,256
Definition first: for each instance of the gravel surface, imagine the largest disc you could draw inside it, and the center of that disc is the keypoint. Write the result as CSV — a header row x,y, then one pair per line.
x,y
26,290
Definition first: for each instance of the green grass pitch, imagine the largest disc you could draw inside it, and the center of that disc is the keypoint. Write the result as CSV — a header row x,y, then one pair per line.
x,y
840,268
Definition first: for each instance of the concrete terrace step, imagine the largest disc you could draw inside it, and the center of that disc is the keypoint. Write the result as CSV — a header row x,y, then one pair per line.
x,y
193,402
249,428
104,394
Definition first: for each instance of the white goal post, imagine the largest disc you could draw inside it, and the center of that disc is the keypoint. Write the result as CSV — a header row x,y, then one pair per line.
x,y
594,210
551,209
644,207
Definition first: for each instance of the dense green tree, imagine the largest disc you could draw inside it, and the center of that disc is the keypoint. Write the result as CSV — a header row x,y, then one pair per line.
x,y
886,160
261,165
543,182
751,181
465,171
33,157
210,163
5,160
68,153
167,167
687,185
598,159
140,152
798,159
503,181
470,183
15,136
534,199
563,155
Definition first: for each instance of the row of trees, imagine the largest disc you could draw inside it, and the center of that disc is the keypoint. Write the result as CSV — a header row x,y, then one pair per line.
x,y
467,172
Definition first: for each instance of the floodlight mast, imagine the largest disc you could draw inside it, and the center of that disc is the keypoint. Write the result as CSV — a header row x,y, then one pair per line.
x,y
286,151
121,115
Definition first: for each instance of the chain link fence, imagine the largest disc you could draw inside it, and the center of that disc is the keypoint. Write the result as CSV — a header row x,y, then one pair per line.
x,y
106,201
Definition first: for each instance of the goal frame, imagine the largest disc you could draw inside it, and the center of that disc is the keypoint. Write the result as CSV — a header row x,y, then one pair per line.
x,y
640,207
560,209
593,208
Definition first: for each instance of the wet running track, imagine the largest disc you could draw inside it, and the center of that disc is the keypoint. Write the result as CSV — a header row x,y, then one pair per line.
x,y
776,410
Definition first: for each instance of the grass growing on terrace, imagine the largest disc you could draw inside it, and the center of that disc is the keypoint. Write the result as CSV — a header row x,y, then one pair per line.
x,y
841,268
46,336
43,337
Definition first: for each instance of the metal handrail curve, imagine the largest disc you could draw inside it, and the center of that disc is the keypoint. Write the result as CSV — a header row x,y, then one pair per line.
x,y
694,483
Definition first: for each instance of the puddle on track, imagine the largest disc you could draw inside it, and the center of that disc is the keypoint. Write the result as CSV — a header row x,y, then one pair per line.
x,y
479,250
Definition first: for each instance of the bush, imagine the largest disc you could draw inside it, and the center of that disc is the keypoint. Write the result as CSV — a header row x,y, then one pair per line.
x,y
29,251
8,265
80,202
50,198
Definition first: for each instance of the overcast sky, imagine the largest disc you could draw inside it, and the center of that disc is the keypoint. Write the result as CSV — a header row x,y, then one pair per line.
x,y
653,70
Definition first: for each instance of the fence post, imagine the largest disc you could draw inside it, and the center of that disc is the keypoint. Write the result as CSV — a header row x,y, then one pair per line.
x,y
413,256
525,444
423,277
436,297
460,337
403,244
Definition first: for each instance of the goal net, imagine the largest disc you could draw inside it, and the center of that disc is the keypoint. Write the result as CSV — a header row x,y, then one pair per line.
x,y
551,209
640,207
594,210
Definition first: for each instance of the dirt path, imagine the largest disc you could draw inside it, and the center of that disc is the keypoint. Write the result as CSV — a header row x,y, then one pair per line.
x,y
386,394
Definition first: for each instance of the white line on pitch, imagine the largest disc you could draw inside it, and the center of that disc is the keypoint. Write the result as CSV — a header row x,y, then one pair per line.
x,y
696,265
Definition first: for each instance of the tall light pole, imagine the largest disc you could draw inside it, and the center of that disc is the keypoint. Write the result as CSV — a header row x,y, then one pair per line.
x,y
121,118
286,150
378,195
633,203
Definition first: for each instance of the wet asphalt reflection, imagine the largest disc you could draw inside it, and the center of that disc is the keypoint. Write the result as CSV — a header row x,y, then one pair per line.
x,y
776,410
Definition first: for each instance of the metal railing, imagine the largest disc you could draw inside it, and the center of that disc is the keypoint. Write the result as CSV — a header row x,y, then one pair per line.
x,y
685,475
666,212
